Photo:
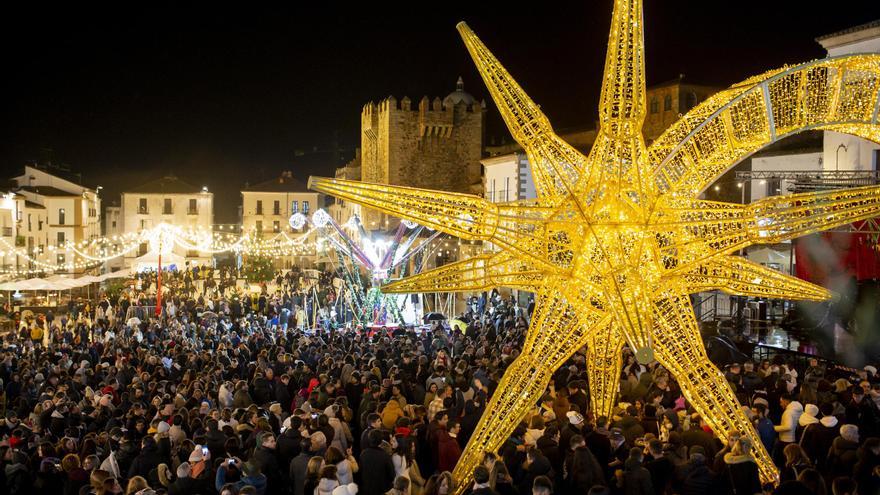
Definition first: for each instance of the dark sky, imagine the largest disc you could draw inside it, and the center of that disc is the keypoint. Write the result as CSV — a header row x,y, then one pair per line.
x,y
221,97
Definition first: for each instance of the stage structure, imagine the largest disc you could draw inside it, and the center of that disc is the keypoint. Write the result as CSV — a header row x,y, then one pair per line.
x,y
618,239
380,258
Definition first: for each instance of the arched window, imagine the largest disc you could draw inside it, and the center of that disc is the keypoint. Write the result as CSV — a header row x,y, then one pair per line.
x,y
655,105
691,100
667,103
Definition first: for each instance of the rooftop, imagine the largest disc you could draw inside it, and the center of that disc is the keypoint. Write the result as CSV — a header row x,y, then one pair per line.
x,y
850,30
284,183
48,191
166,185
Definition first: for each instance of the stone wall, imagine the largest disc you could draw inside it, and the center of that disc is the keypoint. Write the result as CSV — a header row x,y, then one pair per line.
x,y
430,146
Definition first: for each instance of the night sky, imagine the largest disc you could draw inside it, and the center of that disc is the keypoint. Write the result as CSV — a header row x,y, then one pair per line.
x,y
221,97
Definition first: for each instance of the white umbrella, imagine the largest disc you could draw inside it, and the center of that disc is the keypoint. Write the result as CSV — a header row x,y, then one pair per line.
x,y
133,321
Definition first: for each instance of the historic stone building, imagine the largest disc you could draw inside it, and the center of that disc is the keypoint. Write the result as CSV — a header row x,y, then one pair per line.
x,y
437,145
668,101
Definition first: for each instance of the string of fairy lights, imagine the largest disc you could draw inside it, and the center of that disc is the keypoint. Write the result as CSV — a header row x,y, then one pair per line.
x,y
92,253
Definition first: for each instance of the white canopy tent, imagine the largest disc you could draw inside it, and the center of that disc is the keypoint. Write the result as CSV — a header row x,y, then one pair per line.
x,y
150,261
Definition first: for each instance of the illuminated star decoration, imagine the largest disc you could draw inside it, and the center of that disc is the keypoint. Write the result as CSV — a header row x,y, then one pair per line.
x,y
618,239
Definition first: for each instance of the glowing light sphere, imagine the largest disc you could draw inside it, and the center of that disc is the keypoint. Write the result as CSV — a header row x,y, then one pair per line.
x,y
320,218
618,239
297,221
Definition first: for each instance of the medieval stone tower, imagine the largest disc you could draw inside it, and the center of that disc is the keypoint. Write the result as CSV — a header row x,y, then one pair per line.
x,y
435,146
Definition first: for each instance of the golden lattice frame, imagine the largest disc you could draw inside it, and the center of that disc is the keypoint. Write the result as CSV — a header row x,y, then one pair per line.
x,y
618,239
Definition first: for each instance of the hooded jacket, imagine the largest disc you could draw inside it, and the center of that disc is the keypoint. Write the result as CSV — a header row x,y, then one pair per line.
x,y
326,487
788,426
817,439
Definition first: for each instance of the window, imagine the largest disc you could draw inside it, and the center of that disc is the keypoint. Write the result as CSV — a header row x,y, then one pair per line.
x,y
114,224
29,222
166,207
655,105
774,187
142,249
193,207
276,226
60,239
142,206
61,216
40,225
259,226
259,207
667,103
276,208
60,259
305,207
294,207
691,100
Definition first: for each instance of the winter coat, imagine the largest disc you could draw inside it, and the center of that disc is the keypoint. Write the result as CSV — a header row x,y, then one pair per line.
x,y
390,414
816,440
344,472
326,487
448,451
741,472
636,479
582,470
186,486
297,473
268,463
788,426
377,477
842,457
146,461
699,481
18,479
241,399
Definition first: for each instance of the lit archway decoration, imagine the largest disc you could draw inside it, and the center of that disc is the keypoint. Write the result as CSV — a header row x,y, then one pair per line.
x,y
619,238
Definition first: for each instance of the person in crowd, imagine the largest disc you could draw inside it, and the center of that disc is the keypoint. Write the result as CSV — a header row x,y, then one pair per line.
x,y
236,391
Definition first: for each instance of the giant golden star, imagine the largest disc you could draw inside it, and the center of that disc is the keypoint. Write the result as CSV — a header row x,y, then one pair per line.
x,y
618,239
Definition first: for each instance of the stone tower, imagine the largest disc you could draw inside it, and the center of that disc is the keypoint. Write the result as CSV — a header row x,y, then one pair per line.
x,y
437,145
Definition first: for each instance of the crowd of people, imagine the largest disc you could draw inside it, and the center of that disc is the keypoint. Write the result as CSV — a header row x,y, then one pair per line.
x,y
243,395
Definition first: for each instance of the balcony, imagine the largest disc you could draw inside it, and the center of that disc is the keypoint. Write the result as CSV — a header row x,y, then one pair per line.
x,y
143,211
7,231
192,211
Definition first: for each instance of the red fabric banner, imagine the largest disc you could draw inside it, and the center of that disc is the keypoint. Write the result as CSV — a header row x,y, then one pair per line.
x,y
831,255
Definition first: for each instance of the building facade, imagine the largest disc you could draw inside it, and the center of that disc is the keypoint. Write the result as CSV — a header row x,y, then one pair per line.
x,y
844,151
266,209
168,201
57,213
437,145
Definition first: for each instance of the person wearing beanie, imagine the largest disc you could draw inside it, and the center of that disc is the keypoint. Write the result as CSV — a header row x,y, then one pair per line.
x,y
199,460
817,438
809,417
844,452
